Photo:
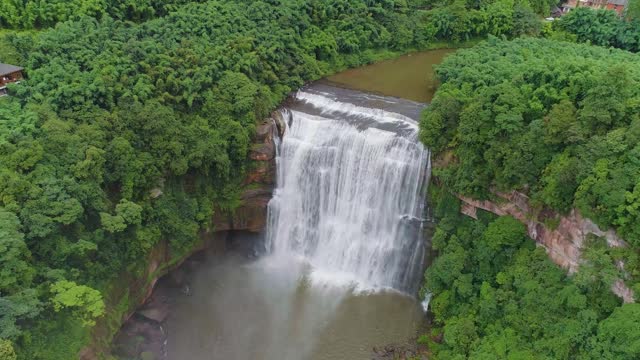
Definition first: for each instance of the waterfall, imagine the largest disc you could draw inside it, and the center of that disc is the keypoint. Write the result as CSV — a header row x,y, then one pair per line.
x,y
425,302
344,227
350,192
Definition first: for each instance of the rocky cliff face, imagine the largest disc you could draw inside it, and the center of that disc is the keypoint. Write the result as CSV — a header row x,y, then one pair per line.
x,y
251,215
562,243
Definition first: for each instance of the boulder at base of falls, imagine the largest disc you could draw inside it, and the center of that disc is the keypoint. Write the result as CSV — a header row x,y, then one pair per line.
x,y
409,351
141,338
156,309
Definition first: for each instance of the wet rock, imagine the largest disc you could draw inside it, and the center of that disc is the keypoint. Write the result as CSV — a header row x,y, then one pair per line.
x,y
87,354
186,290
177,278
262,173
265,130
409,351
250,216
157,309
280,122
252,213
141,338
263,152
263,148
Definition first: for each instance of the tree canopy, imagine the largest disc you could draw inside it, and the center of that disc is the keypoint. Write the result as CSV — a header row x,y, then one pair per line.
x,y
603,27
559,122
498,296
122,98
31,14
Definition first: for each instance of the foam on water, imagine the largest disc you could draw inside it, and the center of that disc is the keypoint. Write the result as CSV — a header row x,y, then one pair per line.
x,y
327,105
425,302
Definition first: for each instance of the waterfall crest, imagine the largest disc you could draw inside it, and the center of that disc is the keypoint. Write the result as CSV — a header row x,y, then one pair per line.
x,y
350,193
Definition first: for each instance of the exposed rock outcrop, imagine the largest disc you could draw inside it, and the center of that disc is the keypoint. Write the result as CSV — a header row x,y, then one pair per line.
x,y
409,351
562,243
251,215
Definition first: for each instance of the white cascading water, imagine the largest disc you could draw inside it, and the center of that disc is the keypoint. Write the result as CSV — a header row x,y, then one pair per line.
x,y
350,196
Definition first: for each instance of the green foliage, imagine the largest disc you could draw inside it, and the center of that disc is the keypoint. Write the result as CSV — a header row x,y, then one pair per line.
x,y
633,10
136,117
6,350
30,14
619,335
559,122
460,20
15,270
525,21
561,125
17,300
498,296
19,307
57,338
127,213
85,302
8,53
603,27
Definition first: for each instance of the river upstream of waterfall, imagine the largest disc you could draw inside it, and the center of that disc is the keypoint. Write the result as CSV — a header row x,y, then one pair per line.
x,y
344,245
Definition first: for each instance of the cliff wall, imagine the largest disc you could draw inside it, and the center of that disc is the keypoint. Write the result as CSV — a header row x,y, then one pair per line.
x,y
563,243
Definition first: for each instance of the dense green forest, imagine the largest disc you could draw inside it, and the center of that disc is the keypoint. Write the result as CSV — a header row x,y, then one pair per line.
x,y
602,27
561,123
498,296
30,14
127,97
112,109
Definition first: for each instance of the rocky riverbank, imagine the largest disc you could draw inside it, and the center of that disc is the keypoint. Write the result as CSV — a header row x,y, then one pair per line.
x,y
409,351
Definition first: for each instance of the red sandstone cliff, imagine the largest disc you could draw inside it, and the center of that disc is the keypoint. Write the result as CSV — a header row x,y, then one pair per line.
x,y
251,215
562,243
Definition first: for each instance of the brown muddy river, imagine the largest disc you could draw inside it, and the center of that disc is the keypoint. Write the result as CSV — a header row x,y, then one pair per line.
x,y
410,76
